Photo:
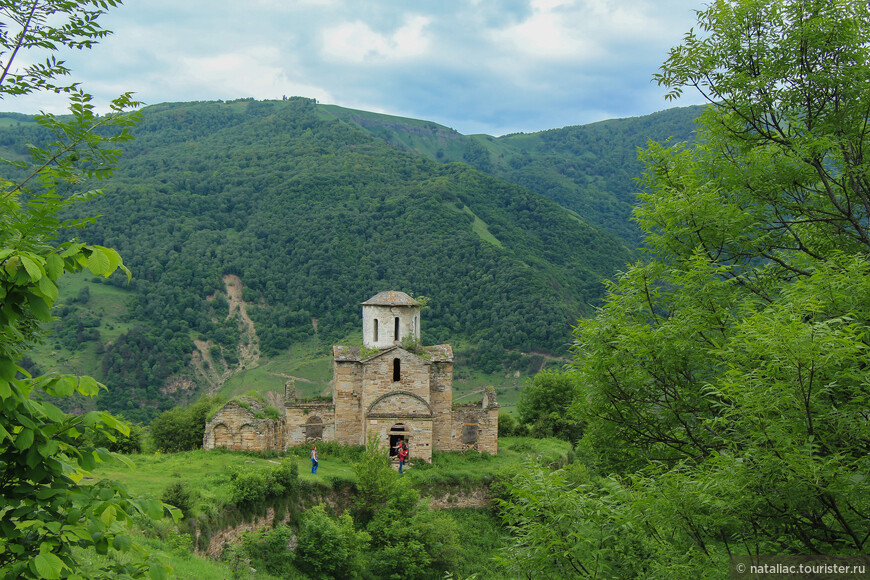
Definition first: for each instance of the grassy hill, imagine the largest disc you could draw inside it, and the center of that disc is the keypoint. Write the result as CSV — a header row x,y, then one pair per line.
x,y
313,215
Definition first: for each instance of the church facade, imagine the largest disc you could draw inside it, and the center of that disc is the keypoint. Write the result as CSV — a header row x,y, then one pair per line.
x,y
390,388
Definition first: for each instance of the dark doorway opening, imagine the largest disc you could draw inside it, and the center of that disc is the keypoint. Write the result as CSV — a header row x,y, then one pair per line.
x,y
396,433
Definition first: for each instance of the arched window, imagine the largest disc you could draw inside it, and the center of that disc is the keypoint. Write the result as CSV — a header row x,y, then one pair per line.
x,y
376,330
396,331
397,370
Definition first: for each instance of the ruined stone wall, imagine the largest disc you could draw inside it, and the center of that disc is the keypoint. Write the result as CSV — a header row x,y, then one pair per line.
x,y
441,400
347,394
308,422
474,427
236,427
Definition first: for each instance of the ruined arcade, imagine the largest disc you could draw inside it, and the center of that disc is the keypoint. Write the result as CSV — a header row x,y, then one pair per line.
x,y
392,387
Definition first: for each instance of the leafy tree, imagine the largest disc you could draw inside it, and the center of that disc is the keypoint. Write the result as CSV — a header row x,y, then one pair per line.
x,y
182,428
564,529
407,540
544,404
729,373
727,378
46,509
329,548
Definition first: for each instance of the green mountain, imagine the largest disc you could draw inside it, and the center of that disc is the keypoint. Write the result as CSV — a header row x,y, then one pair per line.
x,y
297,215
590,169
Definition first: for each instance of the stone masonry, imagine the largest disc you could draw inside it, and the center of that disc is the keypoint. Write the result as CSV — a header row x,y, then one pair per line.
x,y
390,388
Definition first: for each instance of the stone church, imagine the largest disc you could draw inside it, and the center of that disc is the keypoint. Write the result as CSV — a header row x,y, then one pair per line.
x,y
390,388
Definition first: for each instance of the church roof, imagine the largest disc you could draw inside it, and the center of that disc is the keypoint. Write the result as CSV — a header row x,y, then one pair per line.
x,y
436,353
391,298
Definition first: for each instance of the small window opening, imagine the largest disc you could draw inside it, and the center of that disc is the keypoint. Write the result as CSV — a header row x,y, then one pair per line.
x,y
314,429
397,370
376,329
396,331
469,433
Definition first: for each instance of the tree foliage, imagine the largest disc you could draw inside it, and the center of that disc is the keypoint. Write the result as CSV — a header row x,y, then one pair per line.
x,y
407,539
727,377
329,548
544,404
46,506
182,428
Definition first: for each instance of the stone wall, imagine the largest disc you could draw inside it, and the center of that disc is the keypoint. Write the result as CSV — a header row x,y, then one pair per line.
x,y
347,394
475,426
309,422
441,400
379,373
238,428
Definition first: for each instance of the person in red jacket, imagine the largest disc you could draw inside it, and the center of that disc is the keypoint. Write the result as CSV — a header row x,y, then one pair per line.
x,y
402,451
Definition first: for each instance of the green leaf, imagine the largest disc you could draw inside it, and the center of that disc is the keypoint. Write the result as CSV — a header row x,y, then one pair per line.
x,y
72,250
8,370
24,439
48,288
152,508
98,262
47,565
108,516
53,266
62,387
34,270
48,448
88,386
40,308
112,255
122,543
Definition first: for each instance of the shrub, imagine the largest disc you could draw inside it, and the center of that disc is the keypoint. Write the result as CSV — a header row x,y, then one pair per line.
x,y
329,548
268,550
182,428
251,486
178,495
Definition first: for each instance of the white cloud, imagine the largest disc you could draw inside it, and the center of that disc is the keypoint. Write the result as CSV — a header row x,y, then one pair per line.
x,y
356,42
254,71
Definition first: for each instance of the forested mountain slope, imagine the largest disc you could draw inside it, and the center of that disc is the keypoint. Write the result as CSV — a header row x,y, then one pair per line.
x,y
314,216
590,169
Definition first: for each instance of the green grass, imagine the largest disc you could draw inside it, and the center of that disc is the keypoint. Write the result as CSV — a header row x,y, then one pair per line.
x,y
312,373
206,473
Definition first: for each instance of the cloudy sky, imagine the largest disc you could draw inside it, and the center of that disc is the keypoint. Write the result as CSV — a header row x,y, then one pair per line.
x,y
478,66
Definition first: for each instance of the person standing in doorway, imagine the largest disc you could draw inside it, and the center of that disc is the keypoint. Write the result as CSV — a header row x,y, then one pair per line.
x,y
314,459
402,452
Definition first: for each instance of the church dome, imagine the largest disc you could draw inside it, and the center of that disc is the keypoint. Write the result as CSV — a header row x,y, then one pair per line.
x,y
391,298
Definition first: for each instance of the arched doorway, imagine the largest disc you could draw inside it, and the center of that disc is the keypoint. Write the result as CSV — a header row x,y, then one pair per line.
x,y
395,433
